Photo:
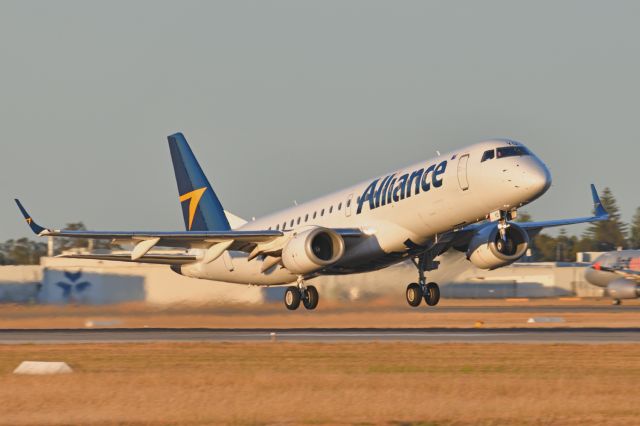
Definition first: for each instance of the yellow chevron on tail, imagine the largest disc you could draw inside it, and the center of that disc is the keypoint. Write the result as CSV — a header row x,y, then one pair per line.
x,y
194,199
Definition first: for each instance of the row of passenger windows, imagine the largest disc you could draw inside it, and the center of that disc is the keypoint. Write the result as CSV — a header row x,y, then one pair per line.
x,y
507,151
308,216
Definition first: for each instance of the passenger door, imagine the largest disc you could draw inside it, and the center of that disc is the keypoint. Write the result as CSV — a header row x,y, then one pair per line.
x,y
463,179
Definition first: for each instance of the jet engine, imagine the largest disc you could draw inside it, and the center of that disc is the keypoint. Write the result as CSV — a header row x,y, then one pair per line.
x,y
622,288
310,250
488,250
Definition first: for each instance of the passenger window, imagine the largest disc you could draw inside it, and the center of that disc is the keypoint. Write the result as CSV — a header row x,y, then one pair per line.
x,y
277,227
284,225
292,223
349,202
488,155
322,212
330,209
340,206
314,214
298,220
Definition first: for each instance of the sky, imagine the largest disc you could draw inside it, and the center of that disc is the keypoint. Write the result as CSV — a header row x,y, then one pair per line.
x,y
290,100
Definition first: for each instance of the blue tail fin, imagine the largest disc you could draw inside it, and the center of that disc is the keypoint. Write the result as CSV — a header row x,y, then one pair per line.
x,y
201,208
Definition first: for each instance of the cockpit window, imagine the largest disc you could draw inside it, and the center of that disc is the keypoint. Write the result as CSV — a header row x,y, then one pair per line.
x,y
512,151
488,155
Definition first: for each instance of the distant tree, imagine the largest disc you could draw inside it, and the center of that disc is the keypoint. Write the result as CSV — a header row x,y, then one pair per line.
x,y
634,232
585,244
524,217
545,248
565,247
61,244
610,234
22,252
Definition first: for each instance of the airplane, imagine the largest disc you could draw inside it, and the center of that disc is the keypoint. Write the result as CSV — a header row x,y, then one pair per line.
x,y
464,200
618,272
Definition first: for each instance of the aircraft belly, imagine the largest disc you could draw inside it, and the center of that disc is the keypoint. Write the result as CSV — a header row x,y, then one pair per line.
x,y
239,271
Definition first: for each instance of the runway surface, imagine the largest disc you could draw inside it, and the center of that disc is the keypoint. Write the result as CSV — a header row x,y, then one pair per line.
x,y
425,335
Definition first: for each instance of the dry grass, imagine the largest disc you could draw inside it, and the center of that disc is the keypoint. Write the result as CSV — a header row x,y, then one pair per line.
x,y
379,313
280,383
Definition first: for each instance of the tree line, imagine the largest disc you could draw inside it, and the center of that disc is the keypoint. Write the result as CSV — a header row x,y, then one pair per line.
x,y
24,251
599,236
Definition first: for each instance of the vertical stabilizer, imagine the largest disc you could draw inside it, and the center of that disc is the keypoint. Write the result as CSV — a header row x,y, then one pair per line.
x,y
201,209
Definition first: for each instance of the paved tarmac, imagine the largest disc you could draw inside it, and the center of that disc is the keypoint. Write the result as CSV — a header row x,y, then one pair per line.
x,y
527,308
425,335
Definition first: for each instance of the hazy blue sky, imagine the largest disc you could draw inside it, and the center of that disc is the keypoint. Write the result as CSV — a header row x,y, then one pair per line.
x,y
288,100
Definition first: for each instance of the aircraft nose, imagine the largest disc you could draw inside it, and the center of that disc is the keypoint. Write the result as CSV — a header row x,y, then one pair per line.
x,y
537,177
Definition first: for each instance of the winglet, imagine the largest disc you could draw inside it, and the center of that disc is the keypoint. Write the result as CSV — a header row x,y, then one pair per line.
x,y
37,229
600,211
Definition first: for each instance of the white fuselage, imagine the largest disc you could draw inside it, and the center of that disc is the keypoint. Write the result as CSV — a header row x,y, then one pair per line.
x,y
413,205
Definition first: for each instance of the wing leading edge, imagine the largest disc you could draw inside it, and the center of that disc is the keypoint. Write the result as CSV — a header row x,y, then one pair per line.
x,y
255,242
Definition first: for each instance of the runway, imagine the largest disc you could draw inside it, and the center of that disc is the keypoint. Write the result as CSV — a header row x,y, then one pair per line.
x,y
328,335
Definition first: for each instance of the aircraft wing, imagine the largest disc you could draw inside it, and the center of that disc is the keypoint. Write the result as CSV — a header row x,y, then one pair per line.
x,y
534,228
258,242
461,237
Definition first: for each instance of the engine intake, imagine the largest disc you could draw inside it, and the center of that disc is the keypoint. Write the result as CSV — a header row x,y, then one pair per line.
x,y
622,288
487,249
310,250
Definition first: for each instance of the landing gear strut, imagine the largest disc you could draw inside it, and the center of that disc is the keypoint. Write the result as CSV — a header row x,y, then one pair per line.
x,y
307,294
504,244
429,291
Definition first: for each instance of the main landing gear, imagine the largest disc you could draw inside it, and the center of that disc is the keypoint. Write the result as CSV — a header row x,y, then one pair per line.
x,y
307,294
429,291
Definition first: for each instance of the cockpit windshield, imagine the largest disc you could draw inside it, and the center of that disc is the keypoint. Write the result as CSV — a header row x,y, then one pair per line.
x,y
488,155
512,151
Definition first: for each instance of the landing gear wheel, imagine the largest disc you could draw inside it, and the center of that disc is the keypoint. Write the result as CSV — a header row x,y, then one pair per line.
x,y
616,302
432,294
414,294
311,298
292,298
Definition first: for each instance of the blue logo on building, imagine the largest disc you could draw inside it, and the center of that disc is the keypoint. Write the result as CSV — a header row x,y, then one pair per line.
x,y
73,288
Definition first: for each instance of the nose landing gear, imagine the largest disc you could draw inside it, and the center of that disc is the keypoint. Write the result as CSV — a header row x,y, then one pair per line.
x,y
429,291
307,294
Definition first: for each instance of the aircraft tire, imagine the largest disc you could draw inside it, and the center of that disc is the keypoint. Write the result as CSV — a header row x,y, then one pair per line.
x,y
292,298
432,295
616,302
311,300
414,295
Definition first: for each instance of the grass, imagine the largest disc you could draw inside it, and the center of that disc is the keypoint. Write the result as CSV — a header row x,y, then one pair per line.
x,y
300,383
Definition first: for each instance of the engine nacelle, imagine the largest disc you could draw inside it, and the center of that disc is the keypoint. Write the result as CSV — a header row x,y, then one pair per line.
x,y
622,288
487,250
312,249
